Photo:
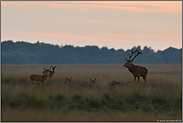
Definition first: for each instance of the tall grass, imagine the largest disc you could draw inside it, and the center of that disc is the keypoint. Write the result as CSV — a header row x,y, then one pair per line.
x,y
130,101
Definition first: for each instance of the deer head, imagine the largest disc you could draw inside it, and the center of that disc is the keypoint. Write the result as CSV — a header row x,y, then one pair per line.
x,y
93,81
65,83
129,60
53,68
69,79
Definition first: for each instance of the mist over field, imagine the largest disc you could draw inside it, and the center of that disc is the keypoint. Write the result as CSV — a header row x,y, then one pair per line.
x,y
40,53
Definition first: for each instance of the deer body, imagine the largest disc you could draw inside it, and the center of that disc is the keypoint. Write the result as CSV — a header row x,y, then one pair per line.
x,y
136,70
36,78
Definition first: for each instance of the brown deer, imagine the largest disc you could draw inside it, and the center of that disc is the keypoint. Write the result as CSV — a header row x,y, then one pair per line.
x,y
136,70
51,73
35,78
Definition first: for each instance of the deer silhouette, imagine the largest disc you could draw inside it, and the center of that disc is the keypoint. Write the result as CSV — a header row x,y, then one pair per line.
x,y
136,70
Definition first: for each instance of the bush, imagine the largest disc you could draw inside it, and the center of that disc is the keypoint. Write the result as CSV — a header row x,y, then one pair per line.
x,y
59,97
36,102
93,102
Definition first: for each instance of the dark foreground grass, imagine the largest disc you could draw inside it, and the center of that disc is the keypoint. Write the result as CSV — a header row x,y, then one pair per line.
x,y
158,99
135,100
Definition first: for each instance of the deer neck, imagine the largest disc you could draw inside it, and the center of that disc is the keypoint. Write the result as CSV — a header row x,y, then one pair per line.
x,y
51,72
131,67
45,76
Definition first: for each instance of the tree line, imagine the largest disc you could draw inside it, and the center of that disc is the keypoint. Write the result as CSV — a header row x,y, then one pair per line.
x,y
41,53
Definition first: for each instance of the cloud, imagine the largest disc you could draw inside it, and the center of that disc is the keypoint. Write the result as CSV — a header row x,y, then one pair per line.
x,y
134,6
95,21
61,36
106,37
174,37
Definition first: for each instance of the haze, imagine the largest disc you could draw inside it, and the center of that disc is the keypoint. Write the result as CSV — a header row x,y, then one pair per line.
x,y
115,24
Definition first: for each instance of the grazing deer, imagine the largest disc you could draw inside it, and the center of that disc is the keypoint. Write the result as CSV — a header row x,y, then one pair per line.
x,y
136,70
35,78
51,73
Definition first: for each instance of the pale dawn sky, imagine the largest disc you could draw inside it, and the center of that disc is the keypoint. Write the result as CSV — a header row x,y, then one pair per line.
x,y
115,24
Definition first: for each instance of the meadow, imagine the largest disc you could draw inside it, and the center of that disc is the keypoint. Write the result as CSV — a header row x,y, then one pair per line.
x,y
160,98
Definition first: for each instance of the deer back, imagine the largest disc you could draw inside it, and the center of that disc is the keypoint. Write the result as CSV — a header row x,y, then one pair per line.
x,y
138,70
37,78
40,78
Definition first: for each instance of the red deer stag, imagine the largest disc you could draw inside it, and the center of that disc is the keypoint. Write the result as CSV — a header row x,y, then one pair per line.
x,y
51,73
35,78
136,70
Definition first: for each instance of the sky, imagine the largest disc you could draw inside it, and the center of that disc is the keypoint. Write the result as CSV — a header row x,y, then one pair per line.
x,y
112,24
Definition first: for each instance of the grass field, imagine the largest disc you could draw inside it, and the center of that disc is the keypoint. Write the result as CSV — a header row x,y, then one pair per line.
x,y
160,98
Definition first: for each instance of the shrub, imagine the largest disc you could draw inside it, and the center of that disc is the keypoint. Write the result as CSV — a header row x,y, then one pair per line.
x,y
59,97
76,97
36,102
93,102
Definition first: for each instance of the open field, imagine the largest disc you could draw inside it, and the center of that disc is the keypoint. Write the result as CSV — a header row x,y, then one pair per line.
x,y
160,98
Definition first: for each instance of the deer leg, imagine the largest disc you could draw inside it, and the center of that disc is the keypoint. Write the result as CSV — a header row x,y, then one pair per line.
x,y
144,77
42,85
138,78
135,78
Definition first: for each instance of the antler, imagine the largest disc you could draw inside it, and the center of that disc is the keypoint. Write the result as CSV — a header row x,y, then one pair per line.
x,y
138,52
130,56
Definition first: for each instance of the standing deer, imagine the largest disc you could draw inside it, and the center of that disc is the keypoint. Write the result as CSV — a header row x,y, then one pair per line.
x,y
35,78
51,73
136,70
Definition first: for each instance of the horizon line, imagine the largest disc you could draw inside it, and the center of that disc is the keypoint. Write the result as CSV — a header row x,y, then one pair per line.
x,y
62,45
